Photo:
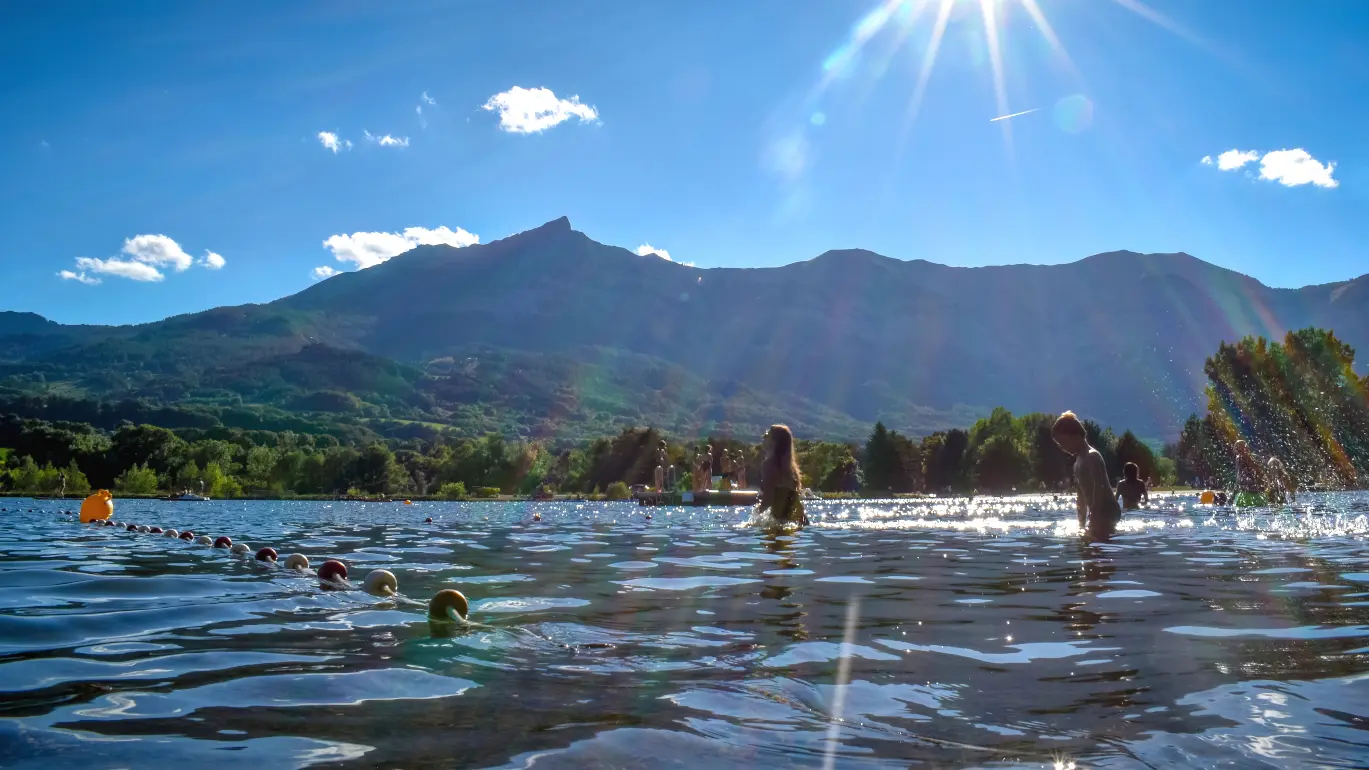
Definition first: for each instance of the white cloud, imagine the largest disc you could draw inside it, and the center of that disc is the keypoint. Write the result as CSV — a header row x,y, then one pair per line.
x,y
332,141
135,271
1292,168
1234,159
158,250
213,261
647,248
385,140
323,271
370,249
67,275
428,99
532,110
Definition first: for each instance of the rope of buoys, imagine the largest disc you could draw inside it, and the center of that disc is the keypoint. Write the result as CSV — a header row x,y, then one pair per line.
x,y
447,606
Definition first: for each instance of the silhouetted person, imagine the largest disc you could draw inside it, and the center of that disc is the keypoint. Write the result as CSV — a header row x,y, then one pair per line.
x,y
1097,501
1131,489
781,481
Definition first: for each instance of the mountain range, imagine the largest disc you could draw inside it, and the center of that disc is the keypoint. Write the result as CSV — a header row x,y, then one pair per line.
x,y
551,333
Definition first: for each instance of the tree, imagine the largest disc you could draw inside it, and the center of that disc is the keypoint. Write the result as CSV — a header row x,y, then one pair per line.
x,y
452,490
137,480
1001,464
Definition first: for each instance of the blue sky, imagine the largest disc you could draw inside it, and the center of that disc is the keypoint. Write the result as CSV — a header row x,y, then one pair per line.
x,y
738,134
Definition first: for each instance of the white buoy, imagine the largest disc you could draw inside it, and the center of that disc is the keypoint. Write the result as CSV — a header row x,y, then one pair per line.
x,y
240,549
381,583
143,528
171,533
296,561
448,605
204,540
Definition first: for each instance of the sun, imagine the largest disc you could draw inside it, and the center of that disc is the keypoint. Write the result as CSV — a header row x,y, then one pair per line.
x,y
900,18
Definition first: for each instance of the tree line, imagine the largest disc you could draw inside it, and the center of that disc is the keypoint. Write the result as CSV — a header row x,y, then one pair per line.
x,y
1299,400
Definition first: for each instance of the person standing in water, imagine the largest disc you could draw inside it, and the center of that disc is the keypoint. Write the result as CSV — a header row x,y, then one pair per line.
x,y
1131,489
1097,502
781,480
1280,489
1248,470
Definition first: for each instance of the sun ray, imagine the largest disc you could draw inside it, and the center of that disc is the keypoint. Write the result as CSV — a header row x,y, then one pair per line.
x,y
1048,32
1159,19
943,16
987,9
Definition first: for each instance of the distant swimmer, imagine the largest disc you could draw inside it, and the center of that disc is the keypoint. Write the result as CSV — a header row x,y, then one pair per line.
x,y
1280,489
1131,489
781,480
1097,501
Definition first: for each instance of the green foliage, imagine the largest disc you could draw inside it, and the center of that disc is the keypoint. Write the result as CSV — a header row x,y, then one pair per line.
x,y
893,463
486,492
1299,400
618,491
452,490
137,480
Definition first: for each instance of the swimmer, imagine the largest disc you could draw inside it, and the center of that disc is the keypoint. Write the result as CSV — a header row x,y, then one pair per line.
x,y
1131,489
1097,501
780,477
1280,490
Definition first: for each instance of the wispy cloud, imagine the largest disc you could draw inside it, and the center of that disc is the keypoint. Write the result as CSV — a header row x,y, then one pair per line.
x,y
1290,168
122,268
67,275
533,110
323,271
332,141
386,140
144,258
427,99
418,108
369,249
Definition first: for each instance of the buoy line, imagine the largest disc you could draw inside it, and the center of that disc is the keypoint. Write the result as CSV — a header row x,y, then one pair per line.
x,y
447,605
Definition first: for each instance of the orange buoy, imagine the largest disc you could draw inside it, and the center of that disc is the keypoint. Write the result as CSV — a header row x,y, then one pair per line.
x,y
97,507
448,605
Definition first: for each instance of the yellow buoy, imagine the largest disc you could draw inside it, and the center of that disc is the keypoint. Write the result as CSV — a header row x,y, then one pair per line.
x,y
408,502
97,507
1207,497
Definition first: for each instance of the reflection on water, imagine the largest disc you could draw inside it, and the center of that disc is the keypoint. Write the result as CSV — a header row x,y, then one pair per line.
x,y
890,634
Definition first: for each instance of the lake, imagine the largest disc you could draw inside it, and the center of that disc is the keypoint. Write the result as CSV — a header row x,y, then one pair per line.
x,y
888,634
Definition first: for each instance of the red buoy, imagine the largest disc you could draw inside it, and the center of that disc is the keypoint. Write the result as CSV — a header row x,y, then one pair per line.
x,y
156,530
132,528
224,541
187,535
428,520
266,554
332,571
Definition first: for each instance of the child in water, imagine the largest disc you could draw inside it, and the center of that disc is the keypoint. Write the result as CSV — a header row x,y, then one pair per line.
x,y
1131,489
1097,502
780,477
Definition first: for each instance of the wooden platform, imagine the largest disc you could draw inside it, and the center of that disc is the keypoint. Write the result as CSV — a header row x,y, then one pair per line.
x,y
712,497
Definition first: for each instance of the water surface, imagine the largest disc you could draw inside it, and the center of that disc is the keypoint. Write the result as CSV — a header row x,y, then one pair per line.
x,y
893,634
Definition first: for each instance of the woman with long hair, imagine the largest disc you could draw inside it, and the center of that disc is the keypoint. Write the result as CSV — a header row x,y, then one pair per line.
x,y
781,481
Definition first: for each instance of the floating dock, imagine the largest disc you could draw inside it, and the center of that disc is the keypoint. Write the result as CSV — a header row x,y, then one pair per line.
x,y
710,497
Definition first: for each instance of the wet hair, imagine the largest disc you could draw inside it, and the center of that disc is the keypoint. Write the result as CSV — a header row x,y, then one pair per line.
x,y
1132,471
782,444
1068,424
1275,464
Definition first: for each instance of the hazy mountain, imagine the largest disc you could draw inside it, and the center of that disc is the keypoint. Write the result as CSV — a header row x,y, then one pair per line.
x,y
849,336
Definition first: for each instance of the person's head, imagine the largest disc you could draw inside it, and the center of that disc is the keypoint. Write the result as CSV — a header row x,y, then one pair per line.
x,y
1069,433
1131,471
1275,464
1242,448
780,443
